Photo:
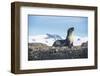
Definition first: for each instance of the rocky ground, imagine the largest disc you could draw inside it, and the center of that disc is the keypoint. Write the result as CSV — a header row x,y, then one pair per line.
x,y
39,51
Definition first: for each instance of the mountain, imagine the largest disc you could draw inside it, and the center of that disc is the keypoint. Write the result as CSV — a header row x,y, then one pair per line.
x,y
45,39
79,40
49,39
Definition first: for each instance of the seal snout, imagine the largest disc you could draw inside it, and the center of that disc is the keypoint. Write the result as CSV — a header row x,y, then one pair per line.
x,y
72,28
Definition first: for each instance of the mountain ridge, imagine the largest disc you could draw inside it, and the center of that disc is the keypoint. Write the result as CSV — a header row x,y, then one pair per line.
x,y
49,39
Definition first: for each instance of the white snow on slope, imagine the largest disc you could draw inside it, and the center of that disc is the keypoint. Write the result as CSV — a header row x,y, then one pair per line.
x,y
46,39
79,40
49,39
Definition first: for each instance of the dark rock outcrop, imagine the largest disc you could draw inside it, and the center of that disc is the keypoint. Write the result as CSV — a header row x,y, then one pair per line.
x,y
39,51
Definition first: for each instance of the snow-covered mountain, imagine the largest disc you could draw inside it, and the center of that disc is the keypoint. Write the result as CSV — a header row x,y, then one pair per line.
x,y
46,39
79,40
50,38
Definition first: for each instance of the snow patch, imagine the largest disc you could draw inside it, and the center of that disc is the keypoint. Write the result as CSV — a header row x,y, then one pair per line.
x,y
49,39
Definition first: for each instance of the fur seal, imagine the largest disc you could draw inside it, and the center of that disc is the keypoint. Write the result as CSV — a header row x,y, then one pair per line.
x,y
68,41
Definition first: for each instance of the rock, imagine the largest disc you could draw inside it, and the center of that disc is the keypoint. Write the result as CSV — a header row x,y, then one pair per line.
x,y
85,44
39,51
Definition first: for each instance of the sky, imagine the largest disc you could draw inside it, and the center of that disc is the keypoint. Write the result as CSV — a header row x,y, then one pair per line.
x,y
40,25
